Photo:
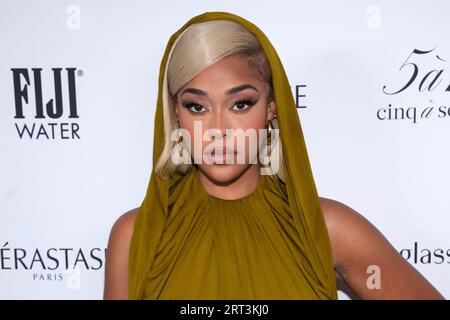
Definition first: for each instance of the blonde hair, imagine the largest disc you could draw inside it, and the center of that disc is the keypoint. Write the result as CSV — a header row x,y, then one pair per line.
x,y
198,47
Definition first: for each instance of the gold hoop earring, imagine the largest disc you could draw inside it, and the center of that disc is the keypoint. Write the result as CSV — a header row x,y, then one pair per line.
x,y
269,131
180,136
180,140
269,128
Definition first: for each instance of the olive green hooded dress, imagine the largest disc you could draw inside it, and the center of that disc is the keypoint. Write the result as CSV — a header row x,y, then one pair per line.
x,y
270,244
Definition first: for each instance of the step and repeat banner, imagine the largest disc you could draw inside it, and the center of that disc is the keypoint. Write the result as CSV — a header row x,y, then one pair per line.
x,y
78,84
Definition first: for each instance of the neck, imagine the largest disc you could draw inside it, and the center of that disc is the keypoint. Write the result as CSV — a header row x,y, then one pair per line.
x,y
243,185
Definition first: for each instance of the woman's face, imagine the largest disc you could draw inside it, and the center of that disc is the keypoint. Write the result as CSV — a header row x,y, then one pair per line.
x,y
208,102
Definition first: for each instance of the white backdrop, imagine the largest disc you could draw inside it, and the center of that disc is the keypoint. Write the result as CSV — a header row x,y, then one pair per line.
x,y
63,185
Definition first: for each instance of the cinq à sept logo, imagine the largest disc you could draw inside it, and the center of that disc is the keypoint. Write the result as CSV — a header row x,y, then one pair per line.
x,y
422,80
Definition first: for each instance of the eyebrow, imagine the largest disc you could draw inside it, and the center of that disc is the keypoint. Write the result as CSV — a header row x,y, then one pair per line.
x,y
229,91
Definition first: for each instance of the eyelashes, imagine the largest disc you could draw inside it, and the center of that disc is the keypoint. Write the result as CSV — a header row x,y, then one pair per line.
x,y
190,105
197,108
248,102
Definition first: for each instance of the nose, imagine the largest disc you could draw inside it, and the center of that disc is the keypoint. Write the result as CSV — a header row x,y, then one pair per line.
x,y
218,123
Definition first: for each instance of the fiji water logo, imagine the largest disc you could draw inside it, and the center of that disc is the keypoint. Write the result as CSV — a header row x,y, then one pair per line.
x,y
40,116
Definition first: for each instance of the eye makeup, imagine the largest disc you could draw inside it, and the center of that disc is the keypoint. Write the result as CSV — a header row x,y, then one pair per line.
x,y
192,105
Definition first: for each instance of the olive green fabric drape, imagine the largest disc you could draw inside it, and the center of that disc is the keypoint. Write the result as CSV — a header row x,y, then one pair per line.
x,y
300,186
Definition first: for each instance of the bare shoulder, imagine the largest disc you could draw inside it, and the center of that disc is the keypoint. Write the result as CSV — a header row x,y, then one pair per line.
x,y
125,223
344,221
338,214
122,231
366,261
116,265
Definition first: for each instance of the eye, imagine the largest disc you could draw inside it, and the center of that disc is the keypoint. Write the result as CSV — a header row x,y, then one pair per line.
x,y
192,106
244,104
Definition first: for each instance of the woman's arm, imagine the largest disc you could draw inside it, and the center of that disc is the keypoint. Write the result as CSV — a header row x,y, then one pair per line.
x,y
367,262
116,264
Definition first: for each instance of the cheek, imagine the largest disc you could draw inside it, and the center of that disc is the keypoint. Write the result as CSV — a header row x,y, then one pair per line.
x,y
190,130
256,121
251,144
255,118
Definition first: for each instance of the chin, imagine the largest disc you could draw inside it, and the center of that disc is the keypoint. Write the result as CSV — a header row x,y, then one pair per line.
x,y
223,173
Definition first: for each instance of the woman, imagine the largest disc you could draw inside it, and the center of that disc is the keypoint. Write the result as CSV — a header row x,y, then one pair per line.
x,y
249,229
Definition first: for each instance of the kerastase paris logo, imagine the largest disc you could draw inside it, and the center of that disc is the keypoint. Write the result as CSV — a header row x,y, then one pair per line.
x,y
423,75
54,264
56,119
